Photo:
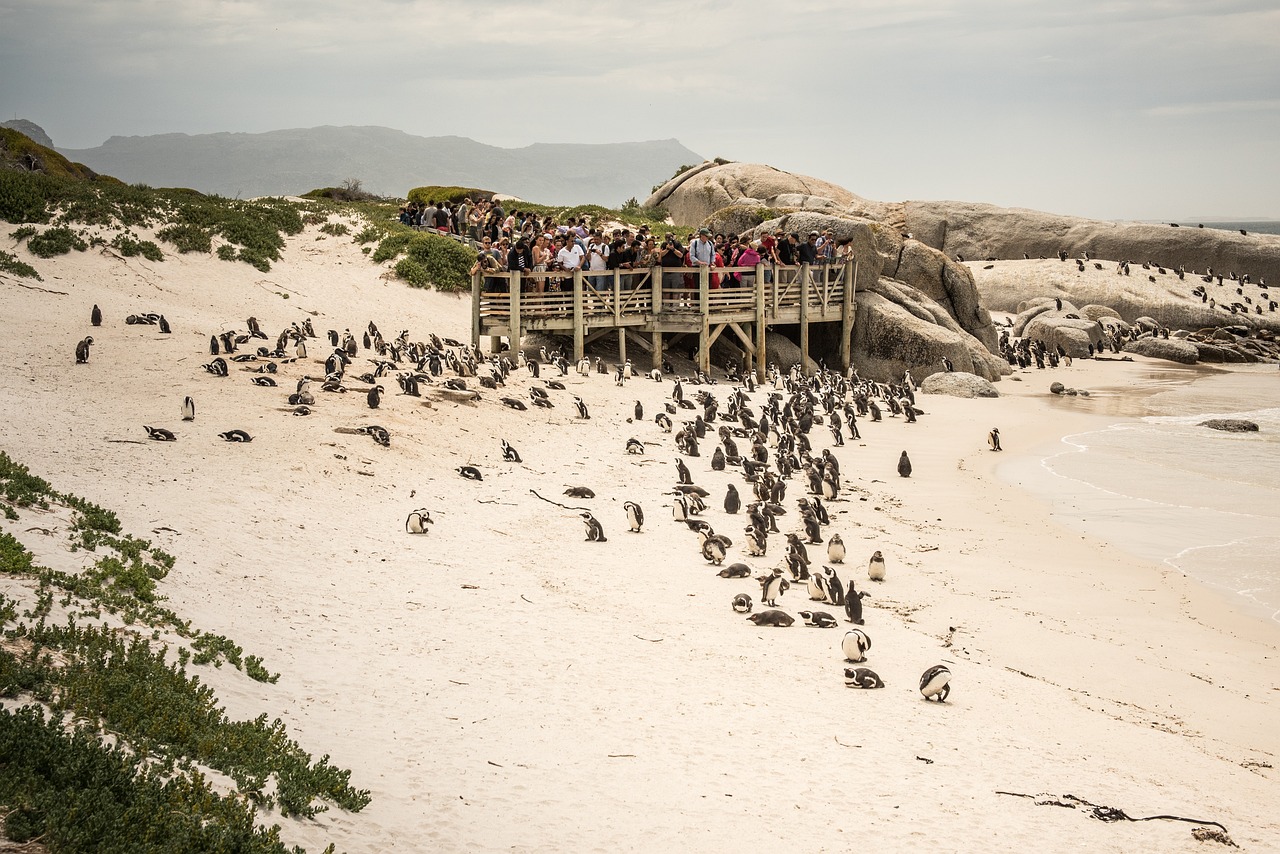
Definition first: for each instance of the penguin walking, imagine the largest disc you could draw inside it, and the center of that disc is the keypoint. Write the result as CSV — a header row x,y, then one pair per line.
x,y
875,568
82,351
993,439
188,409
95,316
904,465
635,516
935,683
374,398
582,407
417,522
595,531
509,453
835,549
855,645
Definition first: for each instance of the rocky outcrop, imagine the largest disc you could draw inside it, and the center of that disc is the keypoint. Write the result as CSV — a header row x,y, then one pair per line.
x,y
1159,348
898,328
1230,425
785,353
882,252
958,384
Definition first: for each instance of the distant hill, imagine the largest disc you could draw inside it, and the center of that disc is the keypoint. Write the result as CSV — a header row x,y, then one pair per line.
x,y
388,162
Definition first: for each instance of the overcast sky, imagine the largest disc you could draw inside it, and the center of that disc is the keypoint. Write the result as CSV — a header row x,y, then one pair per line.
x,y
1125,109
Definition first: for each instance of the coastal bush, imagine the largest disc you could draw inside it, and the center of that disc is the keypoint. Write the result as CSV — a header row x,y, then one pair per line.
x,y
58,240
393,245
337,229
447,262
10,264
413,272
129,246
21,234
186,237
227,252
452,195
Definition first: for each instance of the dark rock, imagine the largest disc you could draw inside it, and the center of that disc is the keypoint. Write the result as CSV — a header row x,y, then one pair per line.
x,y
1230,425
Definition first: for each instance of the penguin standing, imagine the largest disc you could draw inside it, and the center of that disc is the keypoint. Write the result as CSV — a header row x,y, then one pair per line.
x,y
635,516
82,351
188,409
771,587
582,407
683,472
835,549
993,439
95,316
417,522
595,532
509,453
855,645
853,604
639,411
816,587
904,465
165,329
936,683
374,397
835,587
875,569
732,502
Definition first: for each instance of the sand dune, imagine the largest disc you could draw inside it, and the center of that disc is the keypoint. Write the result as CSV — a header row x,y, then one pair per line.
x,y
501,683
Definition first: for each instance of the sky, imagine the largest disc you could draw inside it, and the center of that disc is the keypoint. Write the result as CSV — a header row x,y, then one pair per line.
x,y
1114,109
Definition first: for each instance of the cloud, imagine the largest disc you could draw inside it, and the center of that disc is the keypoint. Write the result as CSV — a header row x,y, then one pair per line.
x,y
1210,107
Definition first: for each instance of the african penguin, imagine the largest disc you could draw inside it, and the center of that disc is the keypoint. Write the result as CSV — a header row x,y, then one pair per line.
x,y
936,682
862,677
235,436
635,516
904,465
855,645
595,532
742,603
417,522
835,549
875,568
159,434
82,351
188,409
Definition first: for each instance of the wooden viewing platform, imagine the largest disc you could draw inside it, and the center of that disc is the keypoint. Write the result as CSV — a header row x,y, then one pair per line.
x,y
657,302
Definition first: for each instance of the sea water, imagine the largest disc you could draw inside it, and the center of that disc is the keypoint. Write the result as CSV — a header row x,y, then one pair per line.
x,y
1158,485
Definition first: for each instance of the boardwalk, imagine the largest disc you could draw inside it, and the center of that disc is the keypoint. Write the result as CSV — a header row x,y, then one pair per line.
x,y
657,307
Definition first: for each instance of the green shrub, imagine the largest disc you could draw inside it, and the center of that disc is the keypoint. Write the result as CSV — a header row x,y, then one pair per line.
x,y
337,229
227,252
187,237
369,234
129,246
21,234
393,244
453,195
413,272
55,241
446,262
10,264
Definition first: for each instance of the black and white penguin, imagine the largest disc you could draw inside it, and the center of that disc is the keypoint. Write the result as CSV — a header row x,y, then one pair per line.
x,y
817,587
188,409
165,329
509,453
993,439
582,407
580,492
772,586
470,472
813,529
835,587
265,382
383,437
835,549
855,645
713,551
159,434
682,471
818,619
235,436
735,570
595,532
417,522
732,502
904,465
514,403
936,683
95,316
635,516
635,446
875,568
663,421
82,350
757,541
680,509
741,603
853,604
862,677
777,619
374,397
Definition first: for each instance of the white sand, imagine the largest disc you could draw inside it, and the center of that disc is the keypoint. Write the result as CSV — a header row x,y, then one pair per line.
x,y
604,697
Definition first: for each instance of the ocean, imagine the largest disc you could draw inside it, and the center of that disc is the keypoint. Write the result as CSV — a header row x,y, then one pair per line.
x,y
1155,484
1253,226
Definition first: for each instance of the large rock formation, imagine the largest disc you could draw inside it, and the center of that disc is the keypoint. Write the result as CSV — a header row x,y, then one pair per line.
x,y
957,384
1066,327
1159,348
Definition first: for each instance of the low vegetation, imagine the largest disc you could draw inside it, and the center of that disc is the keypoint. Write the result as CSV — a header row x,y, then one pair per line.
x,y
10,264
108,736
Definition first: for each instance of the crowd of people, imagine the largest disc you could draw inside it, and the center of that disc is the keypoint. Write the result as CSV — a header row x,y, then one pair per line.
x,y
526,242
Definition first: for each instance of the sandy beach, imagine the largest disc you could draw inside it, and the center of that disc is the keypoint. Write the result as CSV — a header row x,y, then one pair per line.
x,y
501,683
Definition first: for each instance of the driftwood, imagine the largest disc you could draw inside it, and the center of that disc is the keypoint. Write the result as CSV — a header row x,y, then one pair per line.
x,y
1108,814
558,504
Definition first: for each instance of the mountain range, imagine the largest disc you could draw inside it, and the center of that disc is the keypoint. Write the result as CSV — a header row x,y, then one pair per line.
x,y
387,162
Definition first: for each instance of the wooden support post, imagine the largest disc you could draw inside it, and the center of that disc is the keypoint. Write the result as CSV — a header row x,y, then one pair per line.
x,y
617,316
657,350
761,326
477,288
514,288
704,310
804,319
846,314
578,331
655,282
